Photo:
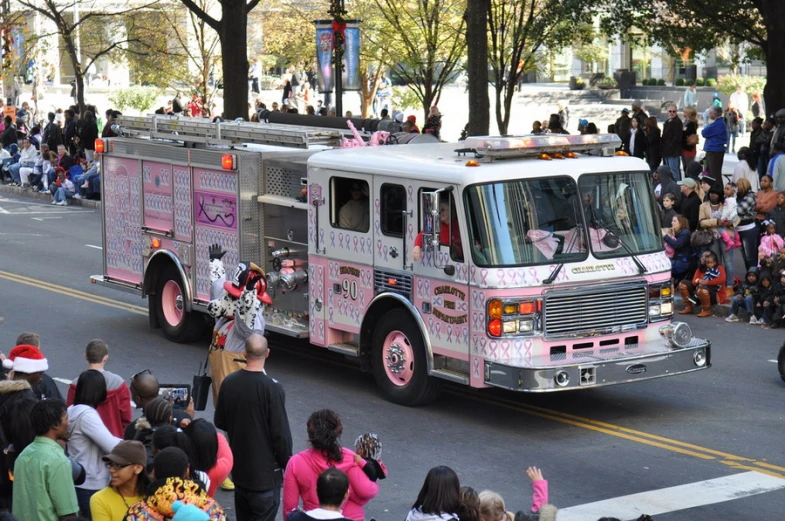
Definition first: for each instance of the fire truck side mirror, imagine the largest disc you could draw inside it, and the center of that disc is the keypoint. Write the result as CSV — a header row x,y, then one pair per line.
x,y
427,225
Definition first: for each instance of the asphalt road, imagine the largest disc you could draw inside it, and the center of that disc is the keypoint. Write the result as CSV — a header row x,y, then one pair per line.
x,y
696,432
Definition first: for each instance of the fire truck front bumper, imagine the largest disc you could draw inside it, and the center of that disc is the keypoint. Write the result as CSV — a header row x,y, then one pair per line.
x,y
588,368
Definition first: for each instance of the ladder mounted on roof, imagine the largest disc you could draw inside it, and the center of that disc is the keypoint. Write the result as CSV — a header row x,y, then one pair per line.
x,y
228,133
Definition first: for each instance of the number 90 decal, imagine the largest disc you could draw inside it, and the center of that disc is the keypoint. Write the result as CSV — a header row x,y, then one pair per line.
x,y
349,289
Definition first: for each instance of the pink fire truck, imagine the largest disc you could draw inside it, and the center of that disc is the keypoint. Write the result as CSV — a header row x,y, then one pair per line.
x,y
532,264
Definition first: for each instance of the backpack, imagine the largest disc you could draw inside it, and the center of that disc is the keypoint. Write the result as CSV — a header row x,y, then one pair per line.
x,y
53,136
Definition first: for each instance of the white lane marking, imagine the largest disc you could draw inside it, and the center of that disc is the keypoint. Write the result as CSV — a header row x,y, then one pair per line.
x,y
664,500
93,246
42,219
50,211
3,210
61,380
25,234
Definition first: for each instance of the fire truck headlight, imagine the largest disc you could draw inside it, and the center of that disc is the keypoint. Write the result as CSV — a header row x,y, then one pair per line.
x,y
699,357
526,326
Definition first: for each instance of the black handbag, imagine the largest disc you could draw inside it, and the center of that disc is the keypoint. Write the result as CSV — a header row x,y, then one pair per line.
x,y
201,385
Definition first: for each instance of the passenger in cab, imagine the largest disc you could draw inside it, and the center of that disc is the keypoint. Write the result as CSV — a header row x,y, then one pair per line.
x,y
354,215
445,218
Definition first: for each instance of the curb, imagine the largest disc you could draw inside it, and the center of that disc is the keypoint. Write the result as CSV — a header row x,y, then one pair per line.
x,y
718,310
29,194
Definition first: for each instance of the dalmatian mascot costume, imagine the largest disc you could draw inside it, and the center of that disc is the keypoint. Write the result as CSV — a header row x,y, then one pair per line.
x,y
237,307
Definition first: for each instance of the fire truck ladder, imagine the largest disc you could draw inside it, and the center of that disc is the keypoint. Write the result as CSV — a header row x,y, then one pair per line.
x,y
228,133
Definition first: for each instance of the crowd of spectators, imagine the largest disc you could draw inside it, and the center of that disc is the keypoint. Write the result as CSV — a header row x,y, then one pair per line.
x,y
708,218
87,458
55,155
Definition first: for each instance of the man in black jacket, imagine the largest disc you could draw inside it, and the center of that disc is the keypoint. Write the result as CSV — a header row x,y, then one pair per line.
x,y
70,131
690,202
251,409
671,141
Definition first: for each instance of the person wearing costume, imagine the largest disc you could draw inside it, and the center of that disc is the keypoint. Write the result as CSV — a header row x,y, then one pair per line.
x,y
237,307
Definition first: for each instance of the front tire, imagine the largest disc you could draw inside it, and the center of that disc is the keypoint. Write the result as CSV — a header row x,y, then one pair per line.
x,y
781,362
177,324
399,363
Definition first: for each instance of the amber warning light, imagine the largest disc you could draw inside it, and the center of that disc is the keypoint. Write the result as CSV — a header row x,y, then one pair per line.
x,y
100,148
227,161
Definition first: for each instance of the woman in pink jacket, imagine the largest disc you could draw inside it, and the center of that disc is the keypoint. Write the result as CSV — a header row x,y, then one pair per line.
x,y
324,432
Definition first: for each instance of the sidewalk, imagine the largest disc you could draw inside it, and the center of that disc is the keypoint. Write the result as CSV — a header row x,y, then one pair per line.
x,y
30,194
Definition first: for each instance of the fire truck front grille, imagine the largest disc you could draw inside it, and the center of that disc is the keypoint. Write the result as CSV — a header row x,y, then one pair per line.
x,y
392,282
612,309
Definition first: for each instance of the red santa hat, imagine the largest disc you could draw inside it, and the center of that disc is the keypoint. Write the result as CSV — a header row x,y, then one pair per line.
x,y
25,358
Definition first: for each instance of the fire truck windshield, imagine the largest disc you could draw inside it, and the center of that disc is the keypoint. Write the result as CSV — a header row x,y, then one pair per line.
x,y
619,211
525,222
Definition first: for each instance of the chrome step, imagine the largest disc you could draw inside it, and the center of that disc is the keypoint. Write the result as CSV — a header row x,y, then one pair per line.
x,y
345,349
450,375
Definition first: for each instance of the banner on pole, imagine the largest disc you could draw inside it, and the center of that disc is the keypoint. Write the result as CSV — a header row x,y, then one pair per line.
x,y
351,57
324,55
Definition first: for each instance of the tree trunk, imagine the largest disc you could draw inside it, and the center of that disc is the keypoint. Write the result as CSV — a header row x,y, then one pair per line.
x,y
501,121
78,74
509,95
477,68
367,91
234,54
773,12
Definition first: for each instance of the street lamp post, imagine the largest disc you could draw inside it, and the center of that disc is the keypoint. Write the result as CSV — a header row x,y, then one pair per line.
x,y
338,12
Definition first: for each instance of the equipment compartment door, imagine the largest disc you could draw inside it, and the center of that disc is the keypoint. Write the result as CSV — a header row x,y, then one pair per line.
x,y
122,190
158,203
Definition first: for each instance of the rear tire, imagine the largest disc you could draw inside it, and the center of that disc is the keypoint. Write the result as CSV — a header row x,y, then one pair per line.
x,y
781,362
399,363
177,324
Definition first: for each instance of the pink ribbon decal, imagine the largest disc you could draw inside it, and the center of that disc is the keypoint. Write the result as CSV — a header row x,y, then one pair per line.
x,y
533,273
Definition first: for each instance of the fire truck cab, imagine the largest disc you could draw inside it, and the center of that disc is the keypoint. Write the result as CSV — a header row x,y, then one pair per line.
x,y
532,264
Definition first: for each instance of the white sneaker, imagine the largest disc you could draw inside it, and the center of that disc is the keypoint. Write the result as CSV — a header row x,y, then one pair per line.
x,y
54,202
61,203
733,318
754,321
77,196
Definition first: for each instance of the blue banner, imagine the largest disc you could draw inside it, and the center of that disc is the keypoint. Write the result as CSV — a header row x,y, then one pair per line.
x,y
351,71
324,56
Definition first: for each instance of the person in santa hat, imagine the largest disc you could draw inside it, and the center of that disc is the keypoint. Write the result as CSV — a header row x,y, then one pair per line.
x,y
27,365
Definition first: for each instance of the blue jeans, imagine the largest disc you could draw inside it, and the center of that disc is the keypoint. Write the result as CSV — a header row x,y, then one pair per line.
x,y
731,145
83,499
738,301
674,163
727,263
14,171
253,505
61,194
